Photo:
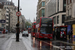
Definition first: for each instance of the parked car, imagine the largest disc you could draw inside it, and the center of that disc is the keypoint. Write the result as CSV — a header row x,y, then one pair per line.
x,y
25,33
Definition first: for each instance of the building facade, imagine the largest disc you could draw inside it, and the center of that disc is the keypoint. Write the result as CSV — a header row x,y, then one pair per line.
x,y
40,9
2,17
57,10
3,0
70,16
10,15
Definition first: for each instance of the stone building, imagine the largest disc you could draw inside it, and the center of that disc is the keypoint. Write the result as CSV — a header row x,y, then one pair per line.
x,y
57,10
40,9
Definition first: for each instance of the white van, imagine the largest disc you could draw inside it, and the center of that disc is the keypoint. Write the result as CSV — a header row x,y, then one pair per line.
x,y
25,33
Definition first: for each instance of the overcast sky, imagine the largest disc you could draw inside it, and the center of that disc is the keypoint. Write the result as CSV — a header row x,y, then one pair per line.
x,y
29,8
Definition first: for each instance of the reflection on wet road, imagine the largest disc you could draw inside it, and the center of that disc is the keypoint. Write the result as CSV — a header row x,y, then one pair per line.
x,y
43,45
50,45
33,43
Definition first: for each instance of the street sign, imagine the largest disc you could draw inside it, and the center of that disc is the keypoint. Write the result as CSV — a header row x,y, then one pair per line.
x,y
18,13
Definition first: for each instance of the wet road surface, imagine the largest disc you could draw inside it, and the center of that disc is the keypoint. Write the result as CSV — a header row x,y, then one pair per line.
x,y
45,44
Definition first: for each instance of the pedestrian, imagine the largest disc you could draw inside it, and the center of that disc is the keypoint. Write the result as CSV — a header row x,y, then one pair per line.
x,y
6,31
55,33
69,34
63,35
3,31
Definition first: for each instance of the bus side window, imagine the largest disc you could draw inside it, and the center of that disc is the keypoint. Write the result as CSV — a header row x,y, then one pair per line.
x,y
35,30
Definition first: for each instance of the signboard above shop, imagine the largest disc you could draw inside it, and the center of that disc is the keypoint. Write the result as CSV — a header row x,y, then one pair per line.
x,y
2,21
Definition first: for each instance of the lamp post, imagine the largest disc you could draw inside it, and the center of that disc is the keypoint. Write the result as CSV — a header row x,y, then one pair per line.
x,y
17,25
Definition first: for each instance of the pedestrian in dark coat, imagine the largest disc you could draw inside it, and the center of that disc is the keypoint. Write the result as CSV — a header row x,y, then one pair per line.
x,y
69,34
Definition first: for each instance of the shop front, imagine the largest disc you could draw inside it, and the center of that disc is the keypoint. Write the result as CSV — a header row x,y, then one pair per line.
x,y
71,26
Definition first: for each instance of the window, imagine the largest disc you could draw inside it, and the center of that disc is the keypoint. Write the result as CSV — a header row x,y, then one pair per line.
x,y
7,11
63,18
5,7
58,7
43,3
54,20
43,11
34,24
68,12
37,21
68,1
33,30
46,20
64,5
57,19
7,15
7,3
2,25
46,30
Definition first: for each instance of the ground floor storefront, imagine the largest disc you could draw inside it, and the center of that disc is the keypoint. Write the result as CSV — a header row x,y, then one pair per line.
x,y
71,27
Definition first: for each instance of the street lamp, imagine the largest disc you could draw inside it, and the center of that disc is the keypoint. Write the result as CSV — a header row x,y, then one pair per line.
x,y
17,25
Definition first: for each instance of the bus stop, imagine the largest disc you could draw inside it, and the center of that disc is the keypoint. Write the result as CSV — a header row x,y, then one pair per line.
x,y
60,32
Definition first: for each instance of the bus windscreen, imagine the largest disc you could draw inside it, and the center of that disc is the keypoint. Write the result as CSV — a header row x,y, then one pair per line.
x,y
46,26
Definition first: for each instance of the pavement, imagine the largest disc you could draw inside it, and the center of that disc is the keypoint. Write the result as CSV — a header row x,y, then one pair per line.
x,y
11,44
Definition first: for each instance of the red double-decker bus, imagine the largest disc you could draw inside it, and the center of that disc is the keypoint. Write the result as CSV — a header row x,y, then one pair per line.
x,y
29,30
33,28
44,27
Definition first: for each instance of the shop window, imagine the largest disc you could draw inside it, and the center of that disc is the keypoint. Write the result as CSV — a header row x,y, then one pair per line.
x,y
54,20
57,19
63,18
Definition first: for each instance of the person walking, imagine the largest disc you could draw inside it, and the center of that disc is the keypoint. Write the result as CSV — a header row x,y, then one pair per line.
x,y
6,31
3,31
69,34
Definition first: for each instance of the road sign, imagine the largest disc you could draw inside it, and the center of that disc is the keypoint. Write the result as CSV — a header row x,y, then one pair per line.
x,y
18,13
